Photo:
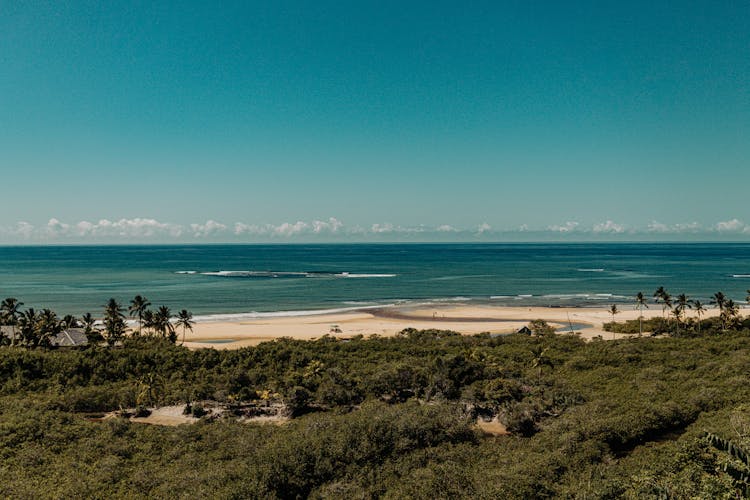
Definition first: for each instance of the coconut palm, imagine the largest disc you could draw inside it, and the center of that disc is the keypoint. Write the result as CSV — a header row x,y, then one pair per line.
x,y
69,321
138,306
677,313
720,300
87,321
731,313
699,310
10,310
185,320
640,303
27,323
613,310
162,323
114,321
682,304
663,295
47,327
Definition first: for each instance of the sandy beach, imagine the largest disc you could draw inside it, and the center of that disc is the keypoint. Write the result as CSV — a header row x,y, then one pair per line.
x,y
463,318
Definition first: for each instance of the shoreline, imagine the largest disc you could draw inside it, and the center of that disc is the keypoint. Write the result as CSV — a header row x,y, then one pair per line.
x,y
468,319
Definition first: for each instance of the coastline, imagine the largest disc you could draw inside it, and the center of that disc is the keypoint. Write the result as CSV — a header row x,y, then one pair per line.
x,y
388,321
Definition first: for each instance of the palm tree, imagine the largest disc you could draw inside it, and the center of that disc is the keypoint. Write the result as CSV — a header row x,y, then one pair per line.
x,y
663,295
658,295
114,321
10,311
87,320
69,321
148,320
47,327
185,320
683,303
138,306
699,310
162,322
613,310
720,301
640,303
732,312
27,323
677,313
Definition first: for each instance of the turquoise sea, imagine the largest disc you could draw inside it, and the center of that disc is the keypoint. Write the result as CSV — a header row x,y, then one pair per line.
x,y
267,280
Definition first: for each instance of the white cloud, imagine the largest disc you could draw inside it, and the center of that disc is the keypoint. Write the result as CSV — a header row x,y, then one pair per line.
x,y
382,228
692,227
286,229
608,227
241,228
210,228
565,228
332,225
22,229
137,229
731,226
483,228
658,227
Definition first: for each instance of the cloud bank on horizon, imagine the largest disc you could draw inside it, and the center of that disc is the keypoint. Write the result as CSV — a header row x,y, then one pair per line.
x,y
145,230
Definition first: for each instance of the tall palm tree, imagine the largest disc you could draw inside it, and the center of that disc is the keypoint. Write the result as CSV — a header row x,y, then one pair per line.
x,y
663,295
185,320
613,310
47,327
69,321
699,310
114,321
640,303
732,313
162,322
27,324
720,300
138,306
87,320
149,323
683,303
93,335
677,313
10,309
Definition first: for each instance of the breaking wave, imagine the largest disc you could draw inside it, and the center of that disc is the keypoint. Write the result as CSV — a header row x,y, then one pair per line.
x,y
287,274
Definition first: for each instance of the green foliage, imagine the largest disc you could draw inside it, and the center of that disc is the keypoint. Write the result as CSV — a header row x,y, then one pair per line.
x,y
540,327
384,417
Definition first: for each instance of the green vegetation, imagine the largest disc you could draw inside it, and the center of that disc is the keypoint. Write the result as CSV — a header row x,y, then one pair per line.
x,y
393,417
385,417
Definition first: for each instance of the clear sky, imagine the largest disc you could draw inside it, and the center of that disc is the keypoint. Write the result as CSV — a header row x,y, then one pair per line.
x,y
348,121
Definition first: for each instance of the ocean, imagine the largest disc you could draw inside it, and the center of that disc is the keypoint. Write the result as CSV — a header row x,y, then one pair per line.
x,y
235,281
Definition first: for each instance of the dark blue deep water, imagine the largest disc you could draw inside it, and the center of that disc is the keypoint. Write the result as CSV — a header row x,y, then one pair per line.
x,y
222,279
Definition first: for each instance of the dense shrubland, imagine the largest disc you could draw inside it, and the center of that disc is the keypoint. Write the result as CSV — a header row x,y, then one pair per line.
x,y
390,417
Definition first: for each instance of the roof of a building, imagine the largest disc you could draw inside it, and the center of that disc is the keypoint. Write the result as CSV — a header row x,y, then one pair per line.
x,y
8,331
70,337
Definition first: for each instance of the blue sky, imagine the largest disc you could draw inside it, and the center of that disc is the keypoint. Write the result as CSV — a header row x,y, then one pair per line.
x,y
349,121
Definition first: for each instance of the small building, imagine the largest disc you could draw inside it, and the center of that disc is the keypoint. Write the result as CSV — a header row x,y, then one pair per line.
x,y
70,337
525,330
8,332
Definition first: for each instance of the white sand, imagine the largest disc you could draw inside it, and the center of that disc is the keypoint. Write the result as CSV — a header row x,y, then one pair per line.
x,y
466,319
